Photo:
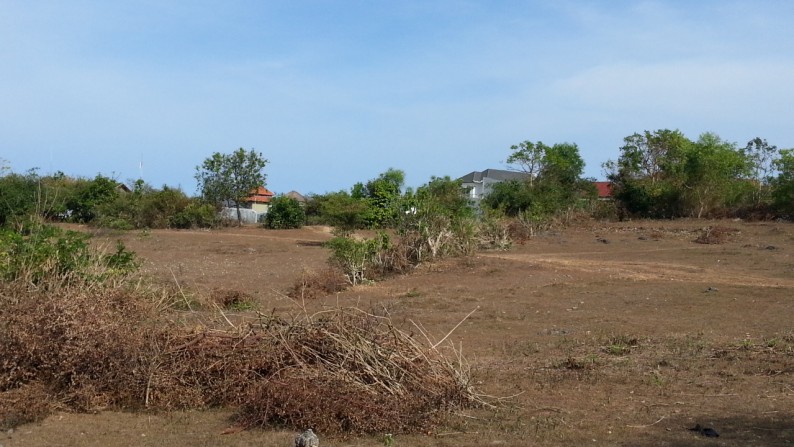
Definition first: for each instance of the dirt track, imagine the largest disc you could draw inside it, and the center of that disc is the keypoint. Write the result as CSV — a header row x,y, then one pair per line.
x,y
644,270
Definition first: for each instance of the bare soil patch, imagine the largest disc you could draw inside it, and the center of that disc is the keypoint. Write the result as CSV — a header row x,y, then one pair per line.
x,y
604,334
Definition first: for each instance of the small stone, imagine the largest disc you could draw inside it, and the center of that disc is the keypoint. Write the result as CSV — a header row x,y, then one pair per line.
x,y
307,439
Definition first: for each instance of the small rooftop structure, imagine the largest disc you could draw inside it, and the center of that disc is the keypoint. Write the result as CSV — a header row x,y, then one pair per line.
x,y
604,189
259,200
260,195
297,196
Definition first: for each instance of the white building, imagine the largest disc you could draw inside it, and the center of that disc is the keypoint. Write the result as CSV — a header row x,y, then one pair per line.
x,y
478,183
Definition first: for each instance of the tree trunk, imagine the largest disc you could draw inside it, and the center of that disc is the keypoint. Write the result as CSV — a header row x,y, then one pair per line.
x,y
239,215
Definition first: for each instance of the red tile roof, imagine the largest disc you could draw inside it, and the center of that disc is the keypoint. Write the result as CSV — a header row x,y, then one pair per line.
x,y
260,195
604,189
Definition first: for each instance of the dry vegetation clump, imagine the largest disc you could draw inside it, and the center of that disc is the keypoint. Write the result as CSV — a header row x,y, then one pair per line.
x,y
316,284
349,371
715,235
231,299
28,403
87,349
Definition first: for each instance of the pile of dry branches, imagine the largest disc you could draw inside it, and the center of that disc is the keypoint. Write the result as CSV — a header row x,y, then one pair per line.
x,y
341,371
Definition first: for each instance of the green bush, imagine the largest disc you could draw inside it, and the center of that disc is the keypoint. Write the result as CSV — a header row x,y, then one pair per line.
x,y
147,207
17,198
338,209
89,195
49,253
285,212
783,184
355,257
195,215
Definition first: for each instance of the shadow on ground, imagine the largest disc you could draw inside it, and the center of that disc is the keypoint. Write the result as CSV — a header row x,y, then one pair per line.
x,y
776,429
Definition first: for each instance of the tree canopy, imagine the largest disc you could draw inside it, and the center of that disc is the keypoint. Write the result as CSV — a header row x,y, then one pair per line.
x,y
553,182
663,174
285,212
230,178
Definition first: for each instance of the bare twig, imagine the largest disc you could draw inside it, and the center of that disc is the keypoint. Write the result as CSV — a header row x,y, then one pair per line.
x,y
456,326
181,292
649,425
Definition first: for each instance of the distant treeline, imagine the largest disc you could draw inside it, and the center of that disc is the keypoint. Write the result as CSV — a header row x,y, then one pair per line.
x,y
659,174
663,174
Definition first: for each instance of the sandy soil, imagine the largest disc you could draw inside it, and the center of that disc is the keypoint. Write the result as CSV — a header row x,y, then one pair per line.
x,y
604,334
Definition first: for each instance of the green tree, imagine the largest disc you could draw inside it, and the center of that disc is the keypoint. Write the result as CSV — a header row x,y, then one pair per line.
x,y
528,157
231,177
761,157
383,194
89,195
512,197
449,194
647,178
663,174
17,198
341,210
553,182
713,171
436,221
562,164
284,212
149,207
783,184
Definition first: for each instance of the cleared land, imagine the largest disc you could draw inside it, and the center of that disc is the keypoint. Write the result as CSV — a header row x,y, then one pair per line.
x,y
603,334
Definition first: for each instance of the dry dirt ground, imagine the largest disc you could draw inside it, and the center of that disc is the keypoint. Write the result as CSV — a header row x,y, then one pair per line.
x,y
622,334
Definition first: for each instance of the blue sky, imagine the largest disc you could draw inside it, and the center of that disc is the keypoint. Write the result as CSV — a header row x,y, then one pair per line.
x,y
335,92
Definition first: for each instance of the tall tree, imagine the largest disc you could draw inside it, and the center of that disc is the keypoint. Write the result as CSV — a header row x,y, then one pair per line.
x,y
653,156
761,156
712,170
231,177
528,157
91,194
562,165
553,183
783,184
647,178
383,194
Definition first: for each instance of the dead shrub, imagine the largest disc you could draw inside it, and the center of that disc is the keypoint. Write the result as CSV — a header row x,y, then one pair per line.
x,y
715,235
399,258
519,231
316,284
299,398
86,349
351,372
23,405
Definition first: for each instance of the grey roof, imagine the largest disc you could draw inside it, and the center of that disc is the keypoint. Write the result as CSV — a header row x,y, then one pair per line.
x,y
499,175
296,195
